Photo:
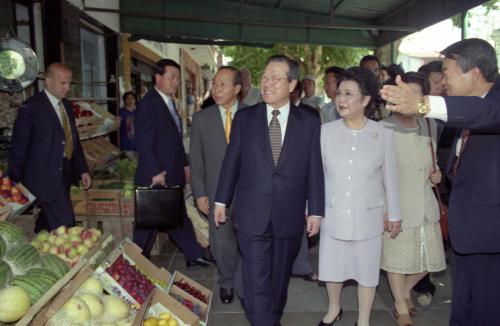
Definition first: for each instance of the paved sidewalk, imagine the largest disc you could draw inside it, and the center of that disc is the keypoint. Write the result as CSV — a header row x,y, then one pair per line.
x,y
307,301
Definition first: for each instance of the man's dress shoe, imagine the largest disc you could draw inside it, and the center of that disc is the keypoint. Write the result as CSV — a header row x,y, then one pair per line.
x,y
226,295
199,262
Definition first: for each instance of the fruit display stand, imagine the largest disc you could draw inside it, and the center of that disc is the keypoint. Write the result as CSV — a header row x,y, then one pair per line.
x,y
92,120
194,296
161,306
90,261
62,299
130,275
28,318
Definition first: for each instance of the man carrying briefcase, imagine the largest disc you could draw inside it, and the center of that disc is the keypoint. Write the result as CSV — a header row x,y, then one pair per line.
x,y
162,160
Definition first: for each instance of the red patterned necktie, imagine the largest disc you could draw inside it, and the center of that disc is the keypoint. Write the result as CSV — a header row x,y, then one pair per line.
x,y
456,163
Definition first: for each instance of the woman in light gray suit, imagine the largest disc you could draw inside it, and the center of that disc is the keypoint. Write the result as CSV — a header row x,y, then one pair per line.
x,y
360,184
419,249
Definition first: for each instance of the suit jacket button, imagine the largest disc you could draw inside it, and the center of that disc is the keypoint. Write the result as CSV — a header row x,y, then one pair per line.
x,y
63,142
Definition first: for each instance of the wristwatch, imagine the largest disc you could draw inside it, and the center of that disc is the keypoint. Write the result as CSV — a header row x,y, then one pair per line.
x,y
423,108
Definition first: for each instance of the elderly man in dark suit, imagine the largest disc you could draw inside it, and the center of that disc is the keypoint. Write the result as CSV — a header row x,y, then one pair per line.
x,y
162,160
209,137
472,105
46,154
272,166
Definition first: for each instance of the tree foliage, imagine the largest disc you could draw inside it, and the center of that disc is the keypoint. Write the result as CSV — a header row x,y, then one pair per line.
x,y
489,6
313,59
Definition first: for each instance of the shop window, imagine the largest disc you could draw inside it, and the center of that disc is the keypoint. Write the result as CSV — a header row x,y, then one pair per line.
x,y
93,64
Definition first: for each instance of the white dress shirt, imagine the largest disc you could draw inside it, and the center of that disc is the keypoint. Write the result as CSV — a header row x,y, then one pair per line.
x,y
282,117
55,104
223,110
170,105
440,111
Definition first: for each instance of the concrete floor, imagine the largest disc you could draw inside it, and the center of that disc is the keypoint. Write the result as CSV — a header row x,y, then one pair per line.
x,y
307,301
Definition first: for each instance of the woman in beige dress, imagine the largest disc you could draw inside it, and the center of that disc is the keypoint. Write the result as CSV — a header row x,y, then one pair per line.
x,y
419,248
360,182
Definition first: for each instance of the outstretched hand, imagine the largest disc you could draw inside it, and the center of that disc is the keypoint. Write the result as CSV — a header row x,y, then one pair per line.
x,y
401,97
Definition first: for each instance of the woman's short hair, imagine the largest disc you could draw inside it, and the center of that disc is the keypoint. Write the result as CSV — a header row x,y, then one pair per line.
x,y
366,80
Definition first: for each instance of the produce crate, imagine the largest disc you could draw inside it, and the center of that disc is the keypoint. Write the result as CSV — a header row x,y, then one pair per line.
x,y
127,206
103,202
107,224
26,222
82,220
176,291
160,302
5,209
17,208
87,126
60,292
132,253
79,202
45,307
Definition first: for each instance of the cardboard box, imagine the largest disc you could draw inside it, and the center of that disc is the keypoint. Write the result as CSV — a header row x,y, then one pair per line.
x,y
159,276
175,291
160,302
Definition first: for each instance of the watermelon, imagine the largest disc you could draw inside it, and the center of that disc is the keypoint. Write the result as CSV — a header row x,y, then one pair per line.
x,y
5,273
22,257
54,264
35,285
11,233
3,247
47,275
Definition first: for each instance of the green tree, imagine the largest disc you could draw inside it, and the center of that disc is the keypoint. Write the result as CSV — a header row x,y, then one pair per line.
x,y
489,6
313,59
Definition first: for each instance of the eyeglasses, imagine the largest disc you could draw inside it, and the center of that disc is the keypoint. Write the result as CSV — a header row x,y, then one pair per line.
x,y
273,79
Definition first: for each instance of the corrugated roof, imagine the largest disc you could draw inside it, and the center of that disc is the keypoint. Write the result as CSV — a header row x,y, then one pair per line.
x,y
365,23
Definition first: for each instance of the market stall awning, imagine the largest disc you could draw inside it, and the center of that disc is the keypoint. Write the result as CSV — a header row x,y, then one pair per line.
x,y
361,23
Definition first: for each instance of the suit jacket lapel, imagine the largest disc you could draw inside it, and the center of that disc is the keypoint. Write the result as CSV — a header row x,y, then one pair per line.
x,y
262,132
292,134
217,125
165,111
52,113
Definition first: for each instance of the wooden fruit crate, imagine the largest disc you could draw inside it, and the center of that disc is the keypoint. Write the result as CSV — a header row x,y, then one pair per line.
x,y
103,202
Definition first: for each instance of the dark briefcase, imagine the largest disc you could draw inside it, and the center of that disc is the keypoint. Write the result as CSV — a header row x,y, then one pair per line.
x,y
159,208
